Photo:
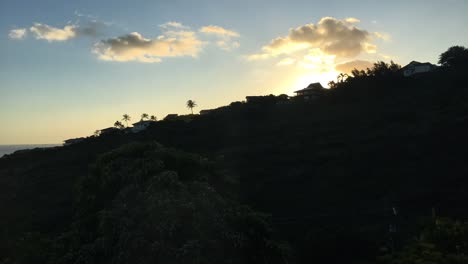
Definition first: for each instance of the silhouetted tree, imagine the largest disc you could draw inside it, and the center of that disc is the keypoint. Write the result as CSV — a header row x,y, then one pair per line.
x,y
153,118
342,77
191,104
381,69
359,73
144,116
97,133
126,118
118,125
456,56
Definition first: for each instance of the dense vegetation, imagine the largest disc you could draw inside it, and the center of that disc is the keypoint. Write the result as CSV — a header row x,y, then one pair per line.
x,y
372,171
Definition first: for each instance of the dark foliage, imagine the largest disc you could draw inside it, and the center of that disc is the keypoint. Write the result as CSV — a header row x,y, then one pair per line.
x,y
455,57
332,173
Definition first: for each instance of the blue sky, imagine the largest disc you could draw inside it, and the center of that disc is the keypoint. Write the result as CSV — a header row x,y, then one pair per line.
x,y
60,80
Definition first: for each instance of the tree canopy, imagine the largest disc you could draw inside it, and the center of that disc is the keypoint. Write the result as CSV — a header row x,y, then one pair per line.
x,y
456,56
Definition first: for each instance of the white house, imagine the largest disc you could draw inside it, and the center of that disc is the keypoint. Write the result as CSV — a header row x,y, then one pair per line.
x,y
415,67
141,125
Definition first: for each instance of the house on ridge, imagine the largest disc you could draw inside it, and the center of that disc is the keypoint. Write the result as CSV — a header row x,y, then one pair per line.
x,y
416,67
141,125
311,92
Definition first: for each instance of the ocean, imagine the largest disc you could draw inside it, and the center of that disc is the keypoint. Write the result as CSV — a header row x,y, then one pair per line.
x,y
8,149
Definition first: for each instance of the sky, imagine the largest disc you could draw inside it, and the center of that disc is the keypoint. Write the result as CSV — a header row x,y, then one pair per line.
x,y
69,68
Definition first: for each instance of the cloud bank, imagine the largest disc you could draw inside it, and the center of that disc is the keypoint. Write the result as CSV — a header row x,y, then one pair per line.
x,y
135,47
334,37
176,40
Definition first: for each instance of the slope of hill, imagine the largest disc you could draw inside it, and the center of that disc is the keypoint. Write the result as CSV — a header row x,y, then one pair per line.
x,y
331,173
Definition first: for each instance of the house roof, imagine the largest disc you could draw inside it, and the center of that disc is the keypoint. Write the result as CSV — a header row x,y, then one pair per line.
x,y
417,63
312,86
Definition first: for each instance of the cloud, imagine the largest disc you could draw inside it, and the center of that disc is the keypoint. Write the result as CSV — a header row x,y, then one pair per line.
x,y
382,35
175,40
49,33
347,67
18,33
286,61
352,20
135,47
318,60
227,45
330,35
173,24
224,36
92,28
220,31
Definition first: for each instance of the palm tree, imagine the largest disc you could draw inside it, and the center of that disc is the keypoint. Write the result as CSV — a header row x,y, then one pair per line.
x,y
118,125
144,116
191,104
342,77
153,118
126,118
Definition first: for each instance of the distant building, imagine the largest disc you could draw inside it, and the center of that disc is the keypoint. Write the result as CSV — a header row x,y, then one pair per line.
x,y
415,67
313,91
109,130
141,125
171,117
72,141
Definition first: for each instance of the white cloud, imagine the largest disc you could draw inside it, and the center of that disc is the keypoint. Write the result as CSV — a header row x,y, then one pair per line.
x,y
352,20
135,47
173,24
224,36
175,40
18,33
49,33
217,30
330,35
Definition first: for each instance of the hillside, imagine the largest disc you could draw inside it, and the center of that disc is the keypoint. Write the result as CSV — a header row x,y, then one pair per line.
x,y
329,173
